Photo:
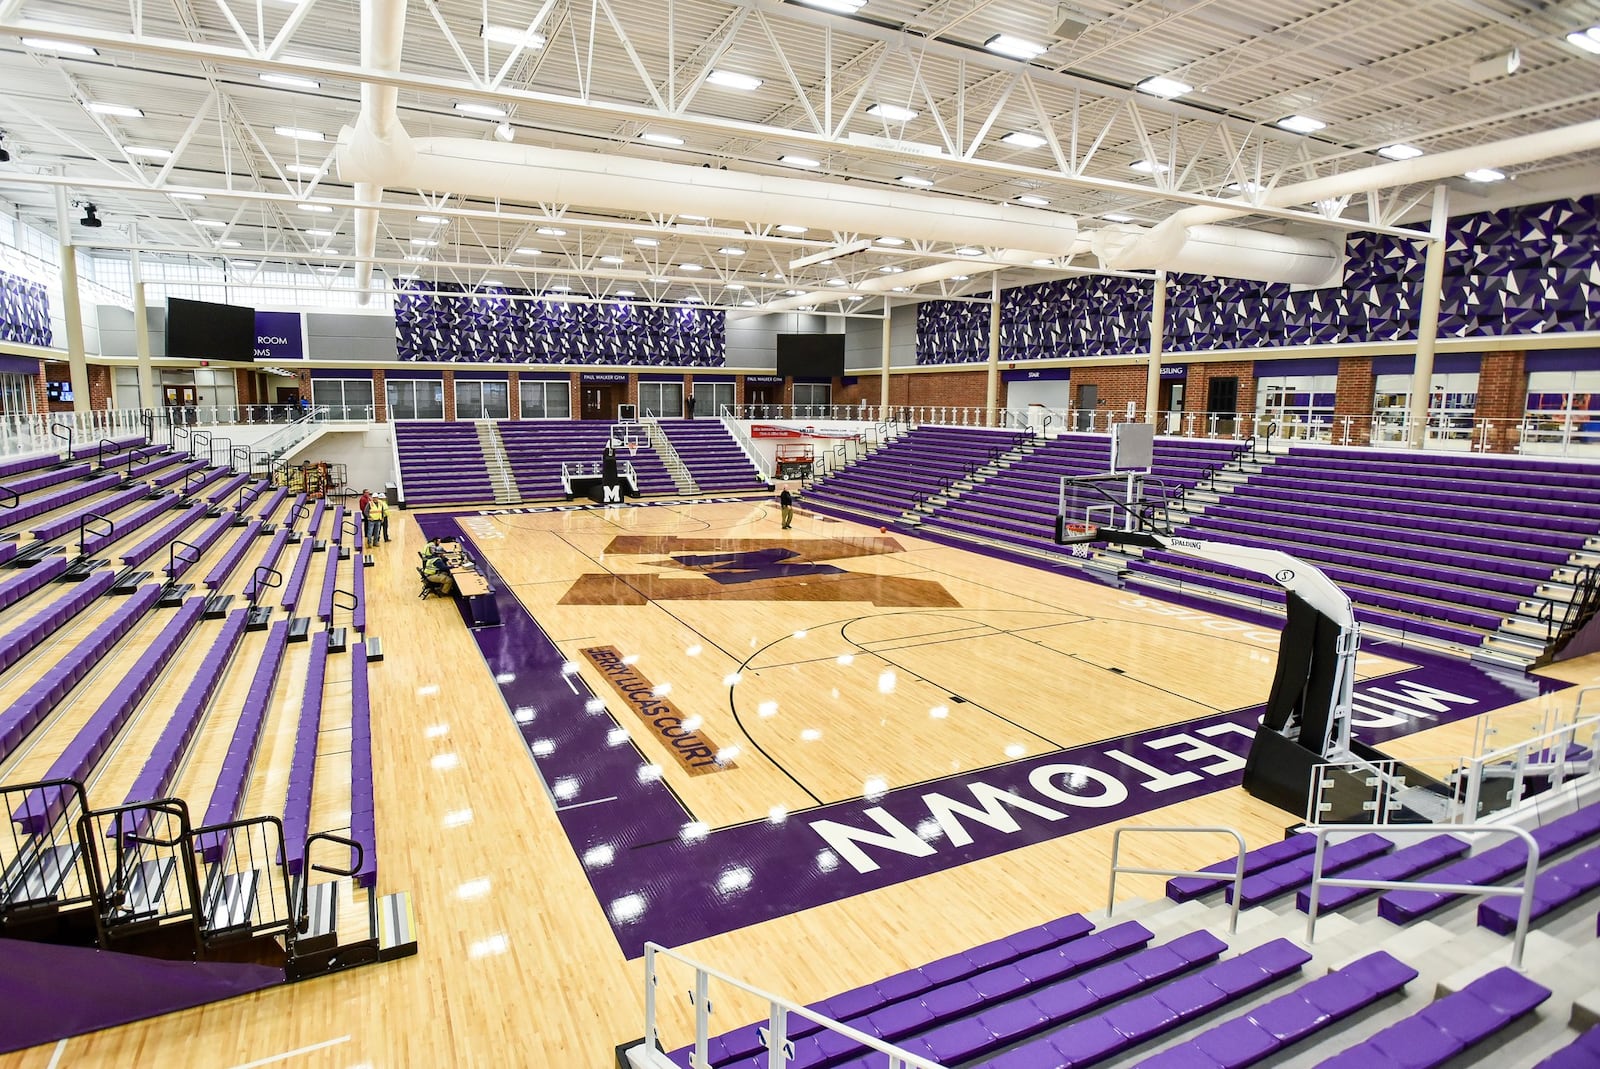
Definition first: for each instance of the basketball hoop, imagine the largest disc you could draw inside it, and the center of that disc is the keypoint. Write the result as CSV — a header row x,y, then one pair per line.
x,y
1074,533
633,447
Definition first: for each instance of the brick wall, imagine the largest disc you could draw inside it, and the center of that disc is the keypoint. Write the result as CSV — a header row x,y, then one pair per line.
x,y
449,396
1502,396
41,391
1200,376
1118,387
1353,400
380,397
99,386
514,395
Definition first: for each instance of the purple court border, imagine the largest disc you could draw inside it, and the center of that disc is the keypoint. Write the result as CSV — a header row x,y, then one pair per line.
x,y
664,877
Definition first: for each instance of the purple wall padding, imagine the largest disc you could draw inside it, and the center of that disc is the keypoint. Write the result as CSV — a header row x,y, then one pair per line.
x,y
24,312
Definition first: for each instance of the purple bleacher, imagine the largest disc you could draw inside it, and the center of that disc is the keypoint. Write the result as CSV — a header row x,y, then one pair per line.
x,y
126,525
363,818
176,476
358,615
536,449
303,765
1141,1019
38,481
61,497
336,535
268,559
156,777
330,579
26,582
8,549
1292,875
314,525
121,442
1581,1053
1184,888
297,575
78,759
209,476
1493,865
272,503
1448,1026
236,553
202,543
234,778
713,456
1402,864
163,537
938,992
1553,888
105,505
227,489
1280,1023
441,462
35,704
21,640
20,465
149,467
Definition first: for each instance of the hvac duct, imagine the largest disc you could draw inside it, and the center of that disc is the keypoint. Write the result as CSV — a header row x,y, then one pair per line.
x,y
1219,250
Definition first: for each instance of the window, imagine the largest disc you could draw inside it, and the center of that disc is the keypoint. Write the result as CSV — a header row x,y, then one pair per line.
x,y
415,398
812,395
710,397
482,399
1301,405
546,400
343,398
16,394
663,400
1452,403
1563,411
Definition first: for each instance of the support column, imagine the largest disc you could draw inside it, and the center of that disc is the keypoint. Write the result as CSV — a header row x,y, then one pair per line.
x,y
148,396
991,388
71,310
1428,321
1158,331
883,383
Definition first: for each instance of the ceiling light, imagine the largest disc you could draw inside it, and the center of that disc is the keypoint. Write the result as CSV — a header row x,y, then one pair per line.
x,y
626,293
504,132
791,228
1498,65
481,111
837,282
1247,188
694,218
329,270
187,196
959,278
799,161
64,48
892,112
730,250
646,243
417,259
1485,174
734,286
320,233
1023,140
892,242
551,232
1148,167
560,289
424,243
1588,40
229,244
122,111
694,298
1015,47
297,134
432,220
291,81
1116,217
915,180
902,289
407,275
148,152
890,269
1044,262
734,80
856,297
320,209
510,36
1033,201
968,250
525,251
689,267
1301,124
1399,152
217,224
306,169
612,260
843,7
747,304
791,293
659,278
1164,87
660,139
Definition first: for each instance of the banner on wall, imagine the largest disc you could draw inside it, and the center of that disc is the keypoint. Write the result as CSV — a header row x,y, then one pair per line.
x,y
779,430
279,336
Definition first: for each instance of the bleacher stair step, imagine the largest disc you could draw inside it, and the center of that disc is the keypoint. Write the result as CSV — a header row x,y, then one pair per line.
x,y
229,904
397,926
34,878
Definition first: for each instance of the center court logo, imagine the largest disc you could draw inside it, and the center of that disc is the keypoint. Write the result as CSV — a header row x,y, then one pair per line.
x,y
694,750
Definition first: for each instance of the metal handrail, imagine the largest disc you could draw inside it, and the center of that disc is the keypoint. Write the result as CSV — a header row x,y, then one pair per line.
x,y
777,1028
1524,890
1117,868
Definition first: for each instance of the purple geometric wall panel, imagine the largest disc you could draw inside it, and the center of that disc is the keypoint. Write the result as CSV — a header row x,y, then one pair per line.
x,y
486,325
1528,270
24,311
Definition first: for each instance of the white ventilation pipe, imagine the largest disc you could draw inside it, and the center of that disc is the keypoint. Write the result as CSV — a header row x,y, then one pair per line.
x,y
1136,248
1232,252
383,26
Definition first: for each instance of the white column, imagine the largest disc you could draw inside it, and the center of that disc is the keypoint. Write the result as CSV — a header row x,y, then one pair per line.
x,y
991,392
883,384
1158,329
141,331
71,309
1428,320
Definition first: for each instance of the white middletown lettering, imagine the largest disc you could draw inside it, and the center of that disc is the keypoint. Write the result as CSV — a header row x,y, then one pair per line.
x,y
895,836
1113,790
1199,750
1225,727
1159,780
989,811
1419,695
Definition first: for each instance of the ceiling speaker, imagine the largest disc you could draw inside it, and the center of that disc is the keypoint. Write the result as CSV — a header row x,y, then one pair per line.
x,y
1069,23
